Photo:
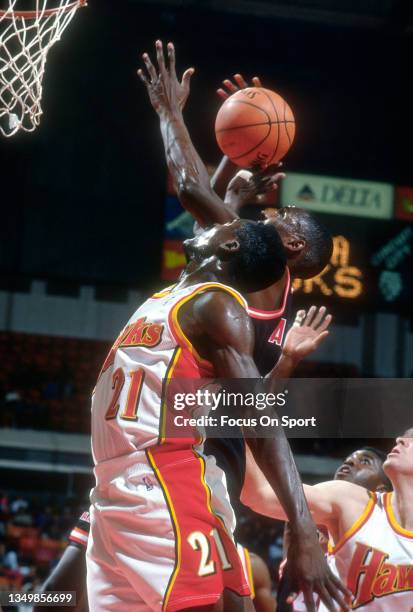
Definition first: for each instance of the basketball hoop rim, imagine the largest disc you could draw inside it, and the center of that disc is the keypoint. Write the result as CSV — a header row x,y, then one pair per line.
x,y
46,13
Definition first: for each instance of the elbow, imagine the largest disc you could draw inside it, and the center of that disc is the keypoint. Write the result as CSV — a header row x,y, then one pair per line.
x,y
190,189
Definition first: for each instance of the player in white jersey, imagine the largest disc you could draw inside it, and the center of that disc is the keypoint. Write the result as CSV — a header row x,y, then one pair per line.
x,y
160,516
371,534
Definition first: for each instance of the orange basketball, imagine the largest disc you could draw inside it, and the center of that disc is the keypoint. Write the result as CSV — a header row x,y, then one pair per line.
x,y
255,127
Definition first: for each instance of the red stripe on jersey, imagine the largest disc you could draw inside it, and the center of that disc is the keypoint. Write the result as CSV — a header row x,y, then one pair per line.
x,y
255,313
206,560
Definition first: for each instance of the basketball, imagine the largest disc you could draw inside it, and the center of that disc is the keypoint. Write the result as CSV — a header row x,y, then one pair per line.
x,y
255,127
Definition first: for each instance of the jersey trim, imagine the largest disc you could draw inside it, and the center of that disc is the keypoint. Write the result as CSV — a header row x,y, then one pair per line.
x,y
79,536
175,525
168,376
255,313
163,293
357,525
176,329
250,576
392,519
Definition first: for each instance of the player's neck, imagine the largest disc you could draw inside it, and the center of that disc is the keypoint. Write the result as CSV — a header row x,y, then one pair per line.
x,y
402,501
196,273
270,298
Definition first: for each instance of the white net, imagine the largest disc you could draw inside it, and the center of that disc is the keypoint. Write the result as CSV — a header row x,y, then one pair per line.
x,y
25,39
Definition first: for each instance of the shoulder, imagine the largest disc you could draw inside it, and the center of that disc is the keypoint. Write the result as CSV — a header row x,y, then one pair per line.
x,y
219,309
342,492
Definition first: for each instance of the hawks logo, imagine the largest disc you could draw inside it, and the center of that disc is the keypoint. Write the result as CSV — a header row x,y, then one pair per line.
x,y
140,333
370,576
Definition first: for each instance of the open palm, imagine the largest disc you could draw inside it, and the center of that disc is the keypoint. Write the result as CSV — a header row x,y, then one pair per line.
x,y
308,331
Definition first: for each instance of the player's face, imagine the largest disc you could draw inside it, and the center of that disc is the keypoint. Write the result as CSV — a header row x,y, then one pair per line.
x,y
400,459
362,468
286,219
210,241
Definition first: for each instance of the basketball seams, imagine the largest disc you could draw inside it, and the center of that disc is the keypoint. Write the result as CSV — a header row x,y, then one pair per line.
x,y
255,146
278,125
239,127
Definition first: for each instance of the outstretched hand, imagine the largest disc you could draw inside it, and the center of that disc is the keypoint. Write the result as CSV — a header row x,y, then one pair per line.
x,y
307,333
165,92
310,573
251,188
240,83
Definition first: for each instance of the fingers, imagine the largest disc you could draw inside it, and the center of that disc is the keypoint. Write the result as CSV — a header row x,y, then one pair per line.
x,y
171,59
149,67
310,315
230,86
299,318
309,600
256,81
240,81
160,58
326,598
143,77
222,93
319,316
336,589
186,77
320,339
325,324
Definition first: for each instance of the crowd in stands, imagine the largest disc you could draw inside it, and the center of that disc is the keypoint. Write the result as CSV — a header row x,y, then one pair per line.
x,y
32,538
46,382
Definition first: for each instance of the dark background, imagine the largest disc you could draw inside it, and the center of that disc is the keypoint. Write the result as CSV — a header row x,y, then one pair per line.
x,y
82,198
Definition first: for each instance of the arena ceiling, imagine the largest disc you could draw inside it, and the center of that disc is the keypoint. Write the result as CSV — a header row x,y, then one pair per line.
x,y
396,14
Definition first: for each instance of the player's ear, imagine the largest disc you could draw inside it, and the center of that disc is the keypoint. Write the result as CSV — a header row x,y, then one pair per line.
x,y
228,247
295,244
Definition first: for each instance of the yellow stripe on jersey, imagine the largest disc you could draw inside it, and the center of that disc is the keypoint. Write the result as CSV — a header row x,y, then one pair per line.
x,y
165,384
249,571
175,310
174,519
392,519
356,526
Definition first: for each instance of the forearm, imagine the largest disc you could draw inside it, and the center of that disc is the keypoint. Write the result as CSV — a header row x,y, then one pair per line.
x,y
222,176
287,500
189,173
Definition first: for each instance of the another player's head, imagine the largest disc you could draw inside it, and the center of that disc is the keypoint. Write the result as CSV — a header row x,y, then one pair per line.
x,y
244,254
364,467
399,462
308,244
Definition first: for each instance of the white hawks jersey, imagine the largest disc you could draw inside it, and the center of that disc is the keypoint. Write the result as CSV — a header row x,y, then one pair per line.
x,y
161,520
128,398
374,559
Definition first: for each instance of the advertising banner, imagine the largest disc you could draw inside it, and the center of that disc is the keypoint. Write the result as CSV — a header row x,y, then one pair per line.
x,y
338,196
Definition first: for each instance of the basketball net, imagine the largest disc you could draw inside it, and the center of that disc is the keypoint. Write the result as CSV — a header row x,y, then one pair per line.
x,y
25,40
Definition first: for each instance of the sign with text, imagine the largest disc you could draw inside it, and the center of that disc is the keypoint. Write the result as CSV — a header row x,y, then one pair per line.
x,y
371,265
338,195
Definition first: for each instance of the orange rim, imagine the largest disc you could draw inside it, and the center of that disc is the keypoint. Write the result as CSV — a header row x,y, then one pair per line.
x,y
10,14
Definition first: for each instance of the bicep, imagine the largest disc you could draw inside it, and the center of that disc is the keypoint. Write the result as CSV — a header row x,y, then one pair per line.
x,y
258,494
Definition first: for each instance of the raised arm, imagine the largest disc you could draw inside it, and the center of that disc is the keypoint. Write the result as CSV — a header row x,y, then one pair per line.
x,y
222,332
188,171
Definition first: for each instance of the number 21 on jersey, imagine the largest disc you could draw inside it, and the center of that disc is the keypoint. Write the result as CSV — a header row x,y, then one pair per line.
x,y
130,409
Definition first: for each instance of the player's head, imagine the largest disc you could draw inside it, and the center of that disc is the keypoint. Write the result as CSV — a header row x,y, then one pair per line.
x,y
399,462
364,467
308,244
245,254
